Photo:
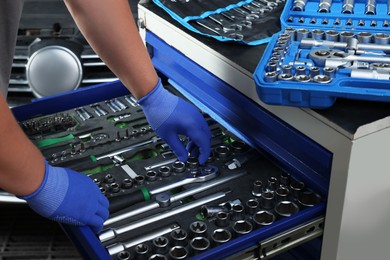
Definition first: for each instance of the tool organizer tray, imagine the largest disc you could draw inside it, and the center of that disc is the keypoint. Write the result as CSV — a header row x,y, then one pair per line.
x,y
162,208
327,50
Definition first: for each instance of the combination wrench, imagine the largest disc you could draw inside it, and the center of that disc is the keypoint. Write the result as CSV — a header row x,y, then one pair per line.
x,y
117,203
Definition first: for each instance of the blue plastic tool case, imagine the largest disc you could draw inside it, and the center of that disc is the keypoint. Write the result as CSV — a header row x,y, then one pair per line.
x,y
327,50
282,151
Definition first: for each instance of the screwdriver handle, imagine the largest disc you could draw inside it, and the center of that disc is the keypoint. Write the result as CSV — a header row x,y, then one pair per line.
x,y
120,202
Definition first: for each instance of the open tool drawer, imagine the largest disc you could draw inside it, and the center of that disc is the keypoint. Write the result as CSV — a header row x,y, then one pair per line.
x,y
327,50
102,135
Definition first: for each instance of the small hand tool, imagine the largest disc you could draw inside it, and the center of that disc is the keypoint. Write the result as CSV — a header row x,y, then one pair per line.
x,y
336,58
308,43
118,247
154,139
324,6
176,197
120,202
112,233
348,6
370,7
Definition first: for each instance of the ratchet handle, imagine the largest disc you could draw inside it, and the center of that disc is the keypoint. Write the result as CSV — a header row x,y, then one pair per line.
x,y
118,203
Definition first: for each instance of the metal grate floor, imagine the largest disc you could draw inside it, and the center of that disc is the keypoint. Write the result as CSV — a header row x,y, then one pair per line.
x,y
26,235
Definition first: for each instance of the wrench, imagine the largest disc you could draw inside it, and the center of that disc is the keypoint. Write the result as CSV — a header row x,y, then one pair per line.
x,y
126,200
324,57
154,139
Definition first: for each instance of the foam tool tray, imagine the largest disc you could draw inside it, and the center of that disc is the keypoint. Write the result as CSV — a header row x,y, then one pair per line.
x,y
160,207
327,50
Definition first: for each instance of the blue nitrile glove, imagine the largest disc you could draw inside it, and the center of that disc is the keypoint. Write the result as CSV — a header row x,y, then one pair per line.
x,y
69,197
170,116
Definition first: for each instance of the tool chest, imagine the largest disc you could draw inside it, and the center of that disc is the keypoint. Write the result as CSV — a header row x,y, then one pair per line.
x,y
327,50
177,210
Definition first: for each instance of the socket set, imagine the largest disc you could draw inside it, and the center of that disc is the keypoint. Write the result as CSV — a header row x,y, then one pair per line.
x,y
249,22
327,50
161,208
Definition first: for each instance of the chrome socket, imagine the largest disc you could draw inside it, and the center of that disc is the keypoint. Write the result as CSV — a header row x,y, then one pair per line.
x,y
127,184
251,206
300,70
318,34
272,184
221,236
330,72
211,211
364,37
382,38
179,167
123,255
286,208
257,188
267,200
284,179
222,219
287,69
161,244
151,176
302,34
281,194
344,36
309,199
164,171
142,251
242,227
178,252
303,78
198,229
323,79
314,71
199,244
285,77
263,218
157,257
237,212
179,237
271,76
332,36
296,187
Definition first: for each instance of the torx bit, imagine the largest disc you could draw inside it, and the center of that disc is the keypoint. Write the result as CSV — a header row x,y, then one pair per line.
x,y
349,22
361,22
301,20
336,21
373,23
325,21
385,23
313,20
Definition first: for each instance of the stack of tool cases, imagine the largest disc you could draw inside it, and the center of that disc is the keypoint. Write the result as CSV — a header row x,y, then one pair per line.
x,y
327,50
162,208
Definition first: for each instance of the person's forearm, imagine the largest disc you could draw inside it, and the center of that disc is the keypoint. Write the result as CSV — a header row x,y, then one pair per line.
x,y
110,29
21,163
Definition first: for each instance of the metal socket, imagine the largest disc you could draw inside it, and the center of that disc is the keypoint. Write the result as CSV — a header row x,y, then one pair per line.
x,y
282,193
161,244
286,208
300,70
364,37
302,34
178,252
198,229
251,206
267,200
151,176
287,69
157,257
164,171
309,198
344,36
314,71
127,183
257,188
242,227
285,77
139,179
211,211
179,167
323,79
123,255
141,251
222,219
318,34
296,187
331,35
237,212
382,38
263,218
220,236
271,76
179,237
303,78
330,72
222,151
199,244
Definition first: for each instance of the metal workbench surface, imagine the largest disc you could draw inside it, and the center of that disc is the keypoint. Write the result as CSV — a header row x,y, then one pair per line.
x,y
348,115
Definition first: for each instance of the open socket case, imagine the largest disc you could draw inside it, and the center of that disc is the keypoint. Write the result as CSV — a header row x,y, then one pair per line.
x,y
327,50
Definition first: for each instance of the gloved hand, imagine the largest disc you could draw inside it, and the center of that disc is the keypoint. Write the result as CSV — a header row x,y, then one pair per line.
x,y
69,197
169,116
